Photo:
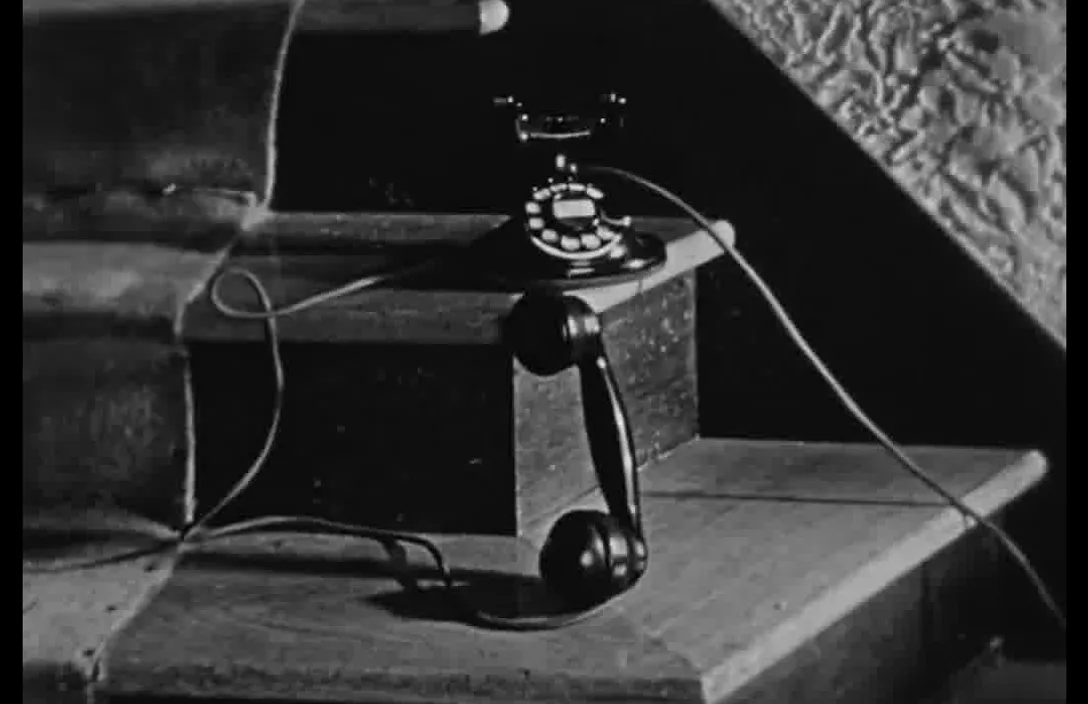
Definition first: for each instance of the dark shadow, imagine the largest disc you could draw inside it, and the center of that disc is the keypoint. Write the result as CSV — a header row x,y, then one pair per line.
x,y
422,594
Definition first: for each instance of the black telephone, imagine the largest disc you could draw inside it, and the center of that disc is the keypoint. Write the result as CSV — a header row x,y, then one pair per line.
x,y
561,235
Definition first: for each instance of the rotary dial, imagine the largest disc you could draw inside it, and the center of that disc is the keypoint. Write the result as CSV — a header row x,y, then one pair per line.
x,y
565,220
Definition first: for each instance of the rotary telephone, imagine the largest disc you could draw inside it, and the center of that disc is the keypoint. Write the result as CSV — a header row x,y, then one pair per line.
x,y
561,235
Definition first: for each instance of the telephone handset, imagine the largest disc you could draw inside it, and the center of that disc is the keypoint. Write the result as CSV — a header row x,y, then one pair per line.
x,y
561,233
589,556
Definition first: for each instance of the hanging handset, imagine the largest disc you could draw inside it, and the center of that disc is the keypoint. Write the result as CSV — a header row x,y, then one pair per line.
x,y
561,233
589,556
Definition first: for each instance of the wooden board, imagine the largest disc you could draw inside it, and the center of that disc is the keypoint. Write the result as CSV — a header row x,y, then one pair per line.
x,y
192,117
1001,681
736,585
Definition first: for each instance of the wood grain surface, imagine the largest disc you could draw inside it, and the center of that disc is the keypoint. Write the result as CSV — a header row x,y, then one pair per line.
x,y
964,105
106,405
735,586
822,507
83,578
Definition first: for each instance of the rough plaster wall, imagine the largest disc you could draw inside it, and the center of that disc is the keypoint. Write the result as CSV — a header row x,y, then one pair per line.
x,y
963,102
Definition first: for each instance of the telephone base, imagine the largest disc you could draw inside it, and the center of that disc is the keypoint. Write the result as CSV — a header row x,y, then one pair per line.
x,y
507,256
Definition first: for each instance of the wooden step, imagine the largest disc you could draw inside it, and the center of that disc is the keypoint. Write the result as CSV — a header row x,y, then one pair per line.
x,y
404,407
780,572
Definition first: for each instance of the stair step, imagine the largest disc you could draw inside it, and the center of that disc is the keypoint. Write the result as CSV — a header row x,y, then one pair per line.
x,y
140,164
766,584
1042,683
404,407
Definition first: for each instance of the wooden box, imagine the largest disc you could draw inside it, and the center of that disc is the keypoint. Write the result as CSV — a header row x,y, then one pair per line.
x,y
404,407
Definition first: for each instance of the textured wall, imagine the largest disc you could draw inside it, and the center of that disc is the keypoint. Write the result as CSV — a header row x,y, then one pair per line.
x,y
962,102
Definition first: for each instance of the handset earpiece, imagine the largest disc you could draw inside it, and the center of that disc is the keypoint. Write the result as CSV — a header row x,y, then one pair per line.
x,y
589,556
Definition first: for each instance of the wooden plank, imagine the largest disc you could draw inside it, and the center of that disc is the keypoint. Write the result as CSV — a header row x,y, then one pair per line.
x,y
467,313
734,587
157,93
69,615
964,106
416,17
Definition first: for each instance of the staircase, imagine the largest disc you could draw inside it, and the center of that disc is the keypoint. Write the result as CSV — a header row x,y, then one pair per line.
x,y
791,559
